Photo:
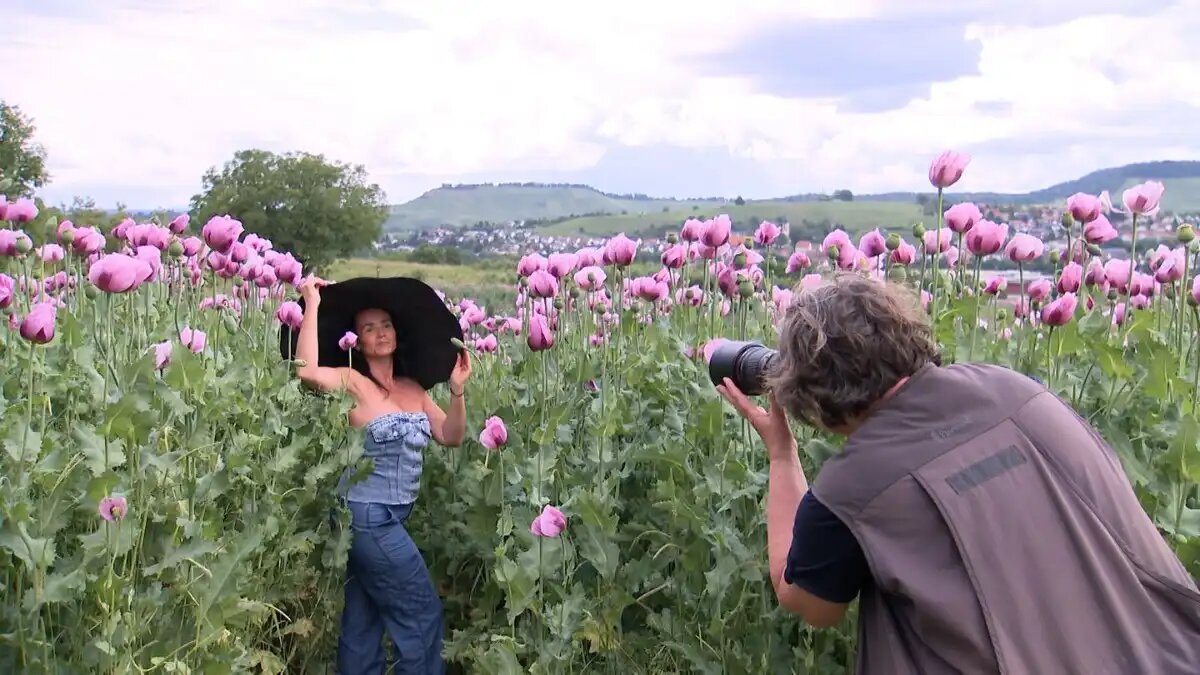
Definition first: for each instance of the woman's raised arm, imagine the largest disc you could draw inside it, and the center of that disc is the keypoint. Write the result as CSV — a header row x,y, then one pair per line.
x,y
325,379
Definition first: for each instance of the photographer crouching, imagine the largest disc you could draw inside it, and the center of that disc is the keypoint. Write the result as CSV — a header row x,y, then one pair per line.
x,y
982,524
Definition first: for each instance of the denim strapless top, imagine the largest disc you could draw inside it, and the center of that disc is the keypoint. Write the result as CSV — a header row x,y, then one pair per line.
x,y
395,442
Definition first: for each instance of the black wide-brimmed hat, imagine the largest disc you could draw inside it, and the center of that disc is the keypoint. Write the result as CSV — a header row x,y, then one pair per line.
x,y
424,326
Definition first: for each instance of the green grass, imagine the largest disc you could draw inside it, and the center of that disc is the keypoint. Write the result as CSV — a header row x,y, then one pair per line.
x,y
489,283
439,276
855,217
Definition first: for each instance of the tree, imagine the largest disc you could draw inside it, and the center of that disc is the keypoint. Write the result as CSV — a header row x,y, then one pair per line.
x,y
317,210
436,255
739,201
844,195
21,158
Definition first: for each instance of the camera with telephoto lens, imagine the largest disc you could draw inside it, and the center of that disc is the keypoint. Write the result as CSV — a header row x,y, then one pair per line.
x,y
743,362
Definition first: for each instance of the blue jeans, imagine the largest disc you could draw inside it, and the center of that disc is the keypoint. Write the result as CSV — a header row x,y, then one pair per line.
x,y
388,588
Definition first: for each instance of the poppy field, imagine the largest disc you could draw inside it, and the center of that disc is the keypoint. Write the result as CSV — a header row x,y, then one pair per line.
x,y
167,485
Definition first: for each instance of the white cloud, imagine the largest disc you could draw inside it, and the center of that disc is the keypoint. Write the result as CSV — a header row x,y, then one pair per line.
x,y
1094,79
144,97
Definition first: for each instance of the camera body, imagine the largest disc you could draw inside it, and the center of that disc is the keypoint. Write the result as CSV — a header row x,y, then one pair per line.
x,y
743,362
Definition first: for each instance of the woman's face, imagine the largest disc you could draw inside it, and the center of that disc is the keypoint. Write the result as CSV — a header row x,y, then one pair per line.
x,y
376,335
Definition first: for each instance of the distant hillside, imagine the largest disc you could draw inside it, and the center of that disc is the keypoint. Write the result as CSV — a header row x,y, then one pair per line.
x,y
1179,175
470,204
1181,178
571,208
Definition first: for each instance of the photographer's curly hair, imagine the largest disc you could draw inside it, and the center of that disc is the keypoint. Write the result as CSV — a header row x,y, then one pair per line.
x,y
844,344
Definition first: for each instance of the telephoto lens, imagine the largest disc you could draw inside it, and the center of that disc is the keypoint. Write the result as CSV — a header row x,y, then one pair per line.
x,y
743,362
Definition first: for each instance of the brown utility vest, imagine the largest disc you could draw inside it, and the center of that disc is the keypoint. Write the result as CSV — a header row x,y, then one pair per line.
x,y
1004,537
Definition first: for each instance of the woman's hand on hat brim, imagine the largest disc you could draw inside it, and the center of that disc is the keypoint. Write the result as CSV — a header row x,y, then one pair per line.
x,y
310,289
461,372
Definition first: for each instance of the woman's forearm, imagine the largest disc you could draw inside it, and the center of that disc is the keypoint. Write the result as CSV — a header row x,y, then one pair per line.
x,y
306,347
454,428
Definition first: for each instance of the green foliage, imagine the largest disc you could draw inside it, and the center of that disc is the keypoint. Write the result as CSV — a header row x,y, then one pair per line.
x,y
23,159
318,210
226,555
435,255
232,554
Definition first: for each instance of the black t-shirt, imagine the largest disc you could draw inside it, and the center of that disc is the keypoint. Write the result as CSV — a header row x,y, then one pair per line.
x,y
825,558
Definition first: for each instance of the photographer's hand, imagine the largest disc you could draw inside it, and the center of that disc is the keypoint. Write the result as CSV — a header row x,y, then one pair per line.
x,y
786,485
771,425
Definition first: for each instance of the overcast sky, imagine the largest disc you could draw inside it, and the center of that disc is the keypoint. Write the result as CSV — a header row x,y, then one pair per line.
x,y
135,99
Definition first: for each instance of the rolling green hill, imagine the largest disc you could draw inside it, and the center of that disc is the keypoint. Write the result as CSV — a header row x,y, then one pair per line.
x,y
472,204
1182,195
571,209
1182,180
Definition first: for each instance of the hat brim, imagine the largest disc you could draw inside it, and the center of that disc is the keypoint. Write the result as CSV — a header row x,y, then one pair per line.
x,y
424,326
